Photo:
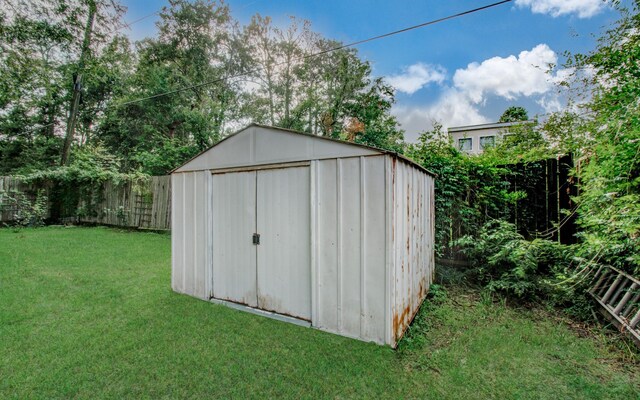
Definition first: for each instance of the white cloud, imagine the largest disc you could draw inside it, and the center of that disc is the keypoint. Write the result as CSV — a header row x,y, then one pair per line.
x,y
556,8
550,103
512,77
508,77
416,76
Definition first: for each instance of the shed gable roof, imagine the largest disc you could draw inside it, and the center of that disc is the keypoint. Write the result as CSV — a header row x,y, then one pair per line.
x,y
261,145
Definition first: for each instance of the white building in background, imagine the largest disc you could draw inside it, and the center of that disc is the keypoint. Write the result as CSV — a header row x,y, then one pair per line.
x,y
473,139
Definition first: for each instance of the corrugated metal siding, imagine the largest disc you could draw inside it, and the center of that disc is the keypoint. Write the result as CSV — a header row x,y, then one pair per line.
x,y
257,145
370,231
233,224
412,242
189,236
284,257
349,255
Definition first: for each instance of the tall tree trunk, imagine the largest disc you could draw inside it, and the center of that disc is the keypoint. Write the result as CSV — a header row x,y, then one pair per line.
x,y
77,84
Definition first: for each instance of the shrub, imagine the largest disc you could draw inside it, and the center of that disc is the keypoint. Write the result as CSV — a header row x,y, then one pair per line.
x,y
28,213
504,262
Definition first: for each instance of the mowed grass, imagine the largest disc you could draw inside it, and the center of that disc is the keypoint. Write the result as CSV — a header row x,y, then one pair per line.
x,y
89,313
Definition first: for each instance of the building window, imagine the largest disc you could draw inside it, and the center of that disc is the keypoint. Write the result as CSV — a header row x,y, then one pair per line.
x,y
465,144
487,141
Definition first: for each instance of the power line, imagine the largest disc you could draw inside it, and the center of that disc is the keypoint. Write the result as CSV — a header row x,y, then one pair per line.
x,y
141,19
211,82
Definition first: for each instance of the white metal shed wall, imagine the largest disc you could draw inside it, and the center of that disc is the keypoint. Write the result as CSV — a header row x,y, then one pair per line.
x,y
349,252
371,233
412,242
190,251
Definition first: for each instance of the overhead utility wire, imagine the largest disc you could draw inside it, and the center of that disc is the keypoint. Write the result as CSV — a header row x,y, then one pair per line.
x,y
211,82
141,19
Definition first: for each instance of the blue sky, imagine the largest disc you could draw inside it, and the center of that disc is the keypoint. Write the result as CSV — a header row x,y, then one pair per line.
x,y
458,72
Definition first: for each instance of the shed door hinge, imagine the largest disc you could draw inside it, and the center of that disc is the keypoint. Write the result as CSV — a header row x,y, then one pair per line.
x,y
256,238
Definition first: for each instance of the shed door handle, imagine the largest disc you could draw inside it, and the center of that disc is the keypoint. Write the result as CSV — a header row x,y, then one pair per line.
x,y
256,238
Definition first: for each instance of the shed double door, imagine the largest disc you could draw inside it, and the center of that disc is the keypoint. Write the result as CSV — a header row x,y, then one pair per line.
x,y
271,271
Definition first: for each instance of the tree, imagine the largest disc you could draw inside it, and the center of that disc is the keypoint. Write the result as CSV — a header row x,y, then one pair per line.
x,y
41,47
609,171
192,51
468,191
299,81
514,114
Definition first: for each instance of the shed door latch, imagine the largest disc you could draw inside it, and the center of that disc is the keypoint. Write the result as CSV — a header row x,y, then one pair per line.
x,y
256,238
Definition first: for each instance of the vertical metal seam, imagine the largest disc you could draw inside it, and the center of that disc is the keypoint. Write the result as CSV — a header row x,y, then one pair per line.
x,y
339,240
388,179
255,226
313,171
252,144
209,231
363,281
173,237
413,253
195,233
184,231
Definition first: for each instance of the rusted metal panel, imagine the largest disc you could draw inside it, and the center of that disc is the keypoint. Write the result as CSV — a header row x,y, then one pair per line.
x,y
284,252
413,244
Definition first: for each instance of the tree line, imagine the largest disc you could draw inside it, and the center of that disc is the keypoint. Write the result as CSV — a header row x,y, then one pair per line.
x,y
72,81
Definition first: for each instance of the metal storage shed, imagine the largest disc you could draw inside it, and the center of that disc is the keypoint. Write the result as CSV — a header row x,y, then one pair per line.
x,y
311,230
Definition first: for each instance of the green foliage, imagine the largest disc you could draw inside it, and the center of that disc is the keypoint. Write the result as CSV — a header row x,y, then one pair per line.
x,y
81,181
160,161
198,46
27,212
468,191
609,201
90,165
519,144
415,337
514,114
504,262
23,156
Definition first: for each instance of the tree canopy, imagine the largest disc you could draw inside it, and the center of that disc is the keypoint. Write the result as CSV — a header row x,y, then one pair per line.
x,y
154,103
514,114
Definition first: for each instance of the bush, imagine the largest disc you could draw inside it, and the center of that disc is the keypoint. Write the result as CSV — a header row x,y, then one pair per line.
x,y
504,262
28,213
467,190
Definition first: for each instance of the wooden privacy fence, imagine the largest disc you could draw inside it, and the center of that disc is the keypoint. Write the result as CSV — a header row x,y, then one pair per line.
x,y
145,204
547,211
15,195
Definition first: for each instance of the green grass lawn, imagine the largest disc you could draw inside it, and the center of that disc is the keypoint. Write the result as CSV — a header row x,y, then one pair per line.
x,y
89,313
